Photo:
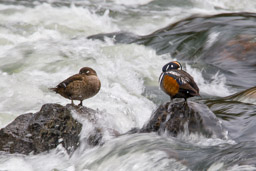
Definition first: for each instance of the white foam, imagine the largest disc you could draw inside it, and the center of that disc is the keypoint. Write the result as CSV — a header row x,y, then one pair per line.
x,y
216,166
132,2
14,164
216,87
200,140
231,5
56,159
66,20
212,38
236,167
129,152
244,167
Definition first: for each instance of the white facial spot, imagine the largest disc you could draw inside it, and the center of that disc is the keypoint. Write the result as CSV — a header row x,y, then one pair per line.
x,y
188,92
87,72
172,66
167,67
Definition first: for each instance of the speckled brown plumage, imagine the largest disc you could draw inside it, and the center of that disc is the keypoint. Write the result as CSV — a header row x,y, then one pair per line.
x,y
79,86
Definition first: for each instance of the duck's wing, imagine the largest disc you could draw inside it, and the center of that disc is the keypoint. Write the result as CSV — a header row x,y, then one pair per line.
x,y
185,81
64,84
67,87
70,80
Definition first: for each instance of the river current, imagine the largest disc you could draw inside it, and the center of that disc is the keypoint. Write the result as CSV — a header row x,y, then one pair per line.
x,y
44,42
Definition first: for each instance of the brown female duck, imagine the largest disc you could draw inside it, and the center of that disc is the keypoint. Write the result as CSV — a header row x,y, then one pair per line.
x,y
79,86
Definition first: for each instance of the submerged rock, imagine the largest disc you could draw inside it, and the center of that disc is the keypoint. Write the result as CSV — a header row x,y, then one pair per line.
x,y
175,118
42,131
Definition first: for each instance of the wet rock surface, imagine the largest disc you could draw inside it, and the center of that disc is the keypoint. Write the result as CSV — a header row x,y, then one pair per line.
x,y
42,131
15,138
96,134
54,125
175,118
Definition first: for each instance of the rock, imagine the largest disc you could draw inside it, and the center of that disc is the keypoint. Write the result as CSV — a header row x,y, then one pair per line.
x,y
95,136
54,125
175,118
42,131
15,138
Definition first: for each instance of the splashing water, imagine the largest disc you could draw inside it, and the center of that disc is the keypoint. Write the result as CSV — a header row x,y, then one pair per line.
x,y
42,45
216,87
236,5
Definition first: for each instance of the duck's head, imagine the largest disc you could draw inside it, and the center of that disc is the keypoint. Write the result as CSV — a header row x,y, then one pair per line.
x,y
87,71
172,65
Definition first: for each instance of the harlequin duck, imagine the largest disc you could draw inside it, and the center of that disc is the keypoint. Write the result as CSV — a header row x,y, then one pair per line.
x,y
177,83
79,86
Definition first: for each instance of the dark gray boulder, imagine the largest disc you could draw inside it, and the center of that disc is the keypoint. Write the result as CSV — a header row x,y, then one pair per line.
x,y
15,138
175,118
42,131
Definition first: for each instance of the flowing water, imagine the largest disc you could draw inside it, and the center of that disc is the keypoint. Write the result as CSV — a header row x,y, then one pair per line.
x,y
44,42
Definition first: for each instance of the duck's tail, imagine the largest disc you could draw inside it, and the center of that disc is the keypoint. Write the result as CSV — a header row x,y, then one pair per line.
x,y
53,89
197,94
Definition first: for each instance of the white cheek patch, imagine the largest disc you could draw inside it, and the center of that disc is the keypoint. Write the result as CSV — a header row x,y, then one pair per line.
x,y
167,67
172,66
87,72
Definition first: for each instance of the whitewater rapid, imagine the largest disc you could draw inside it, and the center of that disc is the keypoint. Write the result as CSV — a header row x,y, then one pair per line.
x,y
41,46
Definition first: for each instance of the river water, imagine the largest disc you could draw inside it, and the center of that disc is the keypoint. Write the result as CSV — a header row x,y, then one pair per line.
x,y
44,42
